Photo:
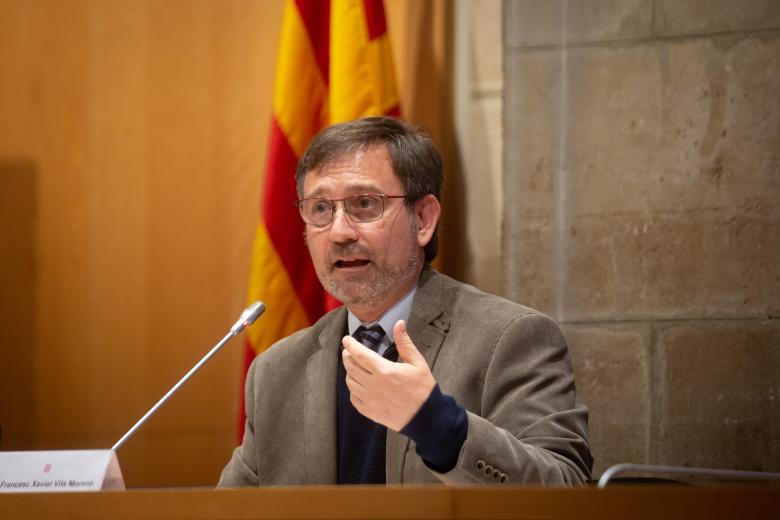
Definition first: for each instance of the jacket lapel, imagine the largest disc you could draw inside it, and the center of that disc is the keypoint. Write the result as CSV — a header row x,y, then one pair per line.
x,y
427,326
319,414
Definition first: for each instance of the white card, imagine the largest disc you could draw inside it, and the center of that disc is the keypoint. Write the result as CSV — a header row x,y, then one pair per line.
x,y
54,471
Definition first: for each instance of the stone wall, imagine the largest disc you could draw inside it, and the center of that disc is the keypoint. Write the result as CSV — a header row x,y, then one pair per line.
x,y
641,193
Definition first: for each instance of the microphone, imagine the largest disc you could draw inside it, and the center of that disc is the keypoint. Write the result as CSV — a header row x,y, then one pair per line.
x,y
247,318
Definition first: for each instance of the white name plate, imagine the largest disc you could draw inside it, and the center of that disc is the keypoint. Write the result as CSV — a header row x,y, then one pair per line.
x,y
52,471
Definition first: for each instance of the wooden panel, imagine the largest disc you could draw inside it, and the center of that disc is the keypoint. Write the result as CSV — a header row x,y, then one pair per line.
x,y
18,256
377,502
145,125
142,128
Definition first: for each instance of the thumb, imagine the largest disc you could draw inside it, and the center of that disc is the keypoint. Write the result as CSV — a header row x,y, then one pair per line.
x,y
407,351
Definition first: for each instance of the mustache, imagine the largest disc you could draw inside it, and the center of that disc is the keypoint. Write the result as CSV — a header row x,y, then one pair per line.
x,y
338,251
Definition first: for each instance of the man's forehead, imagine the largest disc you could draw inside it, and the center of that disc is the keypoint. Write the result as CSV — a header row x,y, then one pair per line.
x,y
354,158
367,168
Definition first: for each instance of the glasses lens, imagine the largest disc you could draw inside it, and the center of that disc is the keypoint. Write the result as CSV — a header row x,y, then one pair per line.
x,y
364,208
317,212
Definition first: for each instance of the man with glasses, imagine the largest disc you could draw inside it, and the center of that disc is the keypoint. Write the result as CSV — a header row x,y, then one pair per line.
x,y
417,378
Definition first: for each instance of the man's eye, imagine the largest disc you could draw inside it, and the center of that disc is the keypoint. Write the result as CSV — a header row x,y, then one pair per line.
x,y
366,202
320,206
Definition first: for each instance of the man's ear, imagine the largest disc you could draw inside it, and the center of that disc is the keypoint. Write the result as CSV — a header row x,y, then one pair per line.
x,y
427,211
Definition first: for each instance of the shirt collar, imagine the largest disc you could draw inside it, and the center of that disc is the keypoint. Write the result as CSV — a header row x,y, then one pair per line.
x,y
400,311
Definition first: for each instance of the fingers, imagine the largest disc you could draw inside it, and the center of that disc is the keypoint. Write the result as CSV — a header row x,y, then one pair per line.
x,y
355,387
353,368
354,373
359,355
360,363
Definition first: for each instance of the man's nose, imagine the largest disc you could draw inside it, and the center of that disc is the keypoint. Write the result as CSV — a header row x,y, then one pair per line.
x,y
342,228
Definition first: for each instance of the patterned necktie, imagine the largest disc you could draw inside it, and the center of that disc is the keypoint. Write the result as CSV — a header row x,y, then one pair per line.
x,y
371,337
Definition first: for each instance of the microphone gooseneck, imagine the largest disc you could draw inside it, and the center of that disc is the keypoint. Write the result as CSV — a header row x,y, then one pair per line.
x,y
247,318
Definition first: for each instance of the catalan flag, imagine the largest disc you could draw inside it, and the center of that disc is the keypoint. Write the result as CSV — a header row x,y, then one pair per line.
x,y
335,64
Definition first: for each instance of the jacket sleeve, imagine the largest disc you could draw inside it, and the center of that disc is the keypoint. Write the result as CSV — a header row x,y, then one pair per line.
x,y
241,470
531,427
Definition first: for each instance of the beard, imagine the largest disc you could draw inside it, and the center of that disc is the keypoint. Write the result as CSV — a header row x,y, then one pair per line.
x,y
359,290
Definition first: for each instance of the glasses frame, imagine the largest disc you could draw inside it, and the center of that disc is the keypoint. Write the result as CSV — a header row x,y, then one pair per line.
x,y
332,202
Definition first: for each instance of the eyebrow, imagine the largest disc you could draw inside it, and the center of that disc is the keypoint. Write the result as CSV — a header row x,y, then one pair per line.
x,y
355,189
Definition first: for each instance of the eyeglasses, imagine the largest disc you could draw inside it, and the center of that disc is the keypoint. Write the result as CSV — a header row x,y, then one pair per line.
x,y
367,207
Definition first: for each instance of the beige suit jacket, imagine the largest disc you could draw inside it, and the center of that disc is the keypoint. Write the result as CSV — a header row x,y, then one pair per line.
x,y
508,365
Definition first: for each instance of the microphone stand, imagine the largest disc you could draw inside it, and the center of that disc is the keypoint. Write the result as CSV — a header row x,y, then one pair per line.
x,y
248,317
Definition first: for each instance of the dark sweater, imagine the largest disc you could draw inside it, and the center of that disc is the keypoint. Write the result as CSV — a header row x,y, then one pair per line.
x,y
438,429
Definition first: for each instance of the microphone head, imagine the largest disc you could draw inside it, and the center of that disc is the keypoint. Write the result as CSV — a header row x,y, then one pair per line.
x,y
253,312
248,317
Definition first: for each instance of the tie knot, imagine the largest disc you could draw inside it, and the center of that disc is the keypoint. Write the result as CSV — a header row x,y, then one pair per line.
x,y
370,336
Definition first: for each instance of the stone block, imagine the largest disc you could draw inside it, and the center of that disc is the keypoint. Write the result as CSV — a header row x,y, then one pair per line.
x,y
651,173
612,370
629,267
529,266
534,124
673,17
532,23
718,402
675,127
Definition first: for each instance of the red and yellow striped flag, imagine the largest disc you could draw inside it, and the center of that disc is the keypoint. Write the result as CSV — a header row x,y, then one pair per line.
x,y
335,64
